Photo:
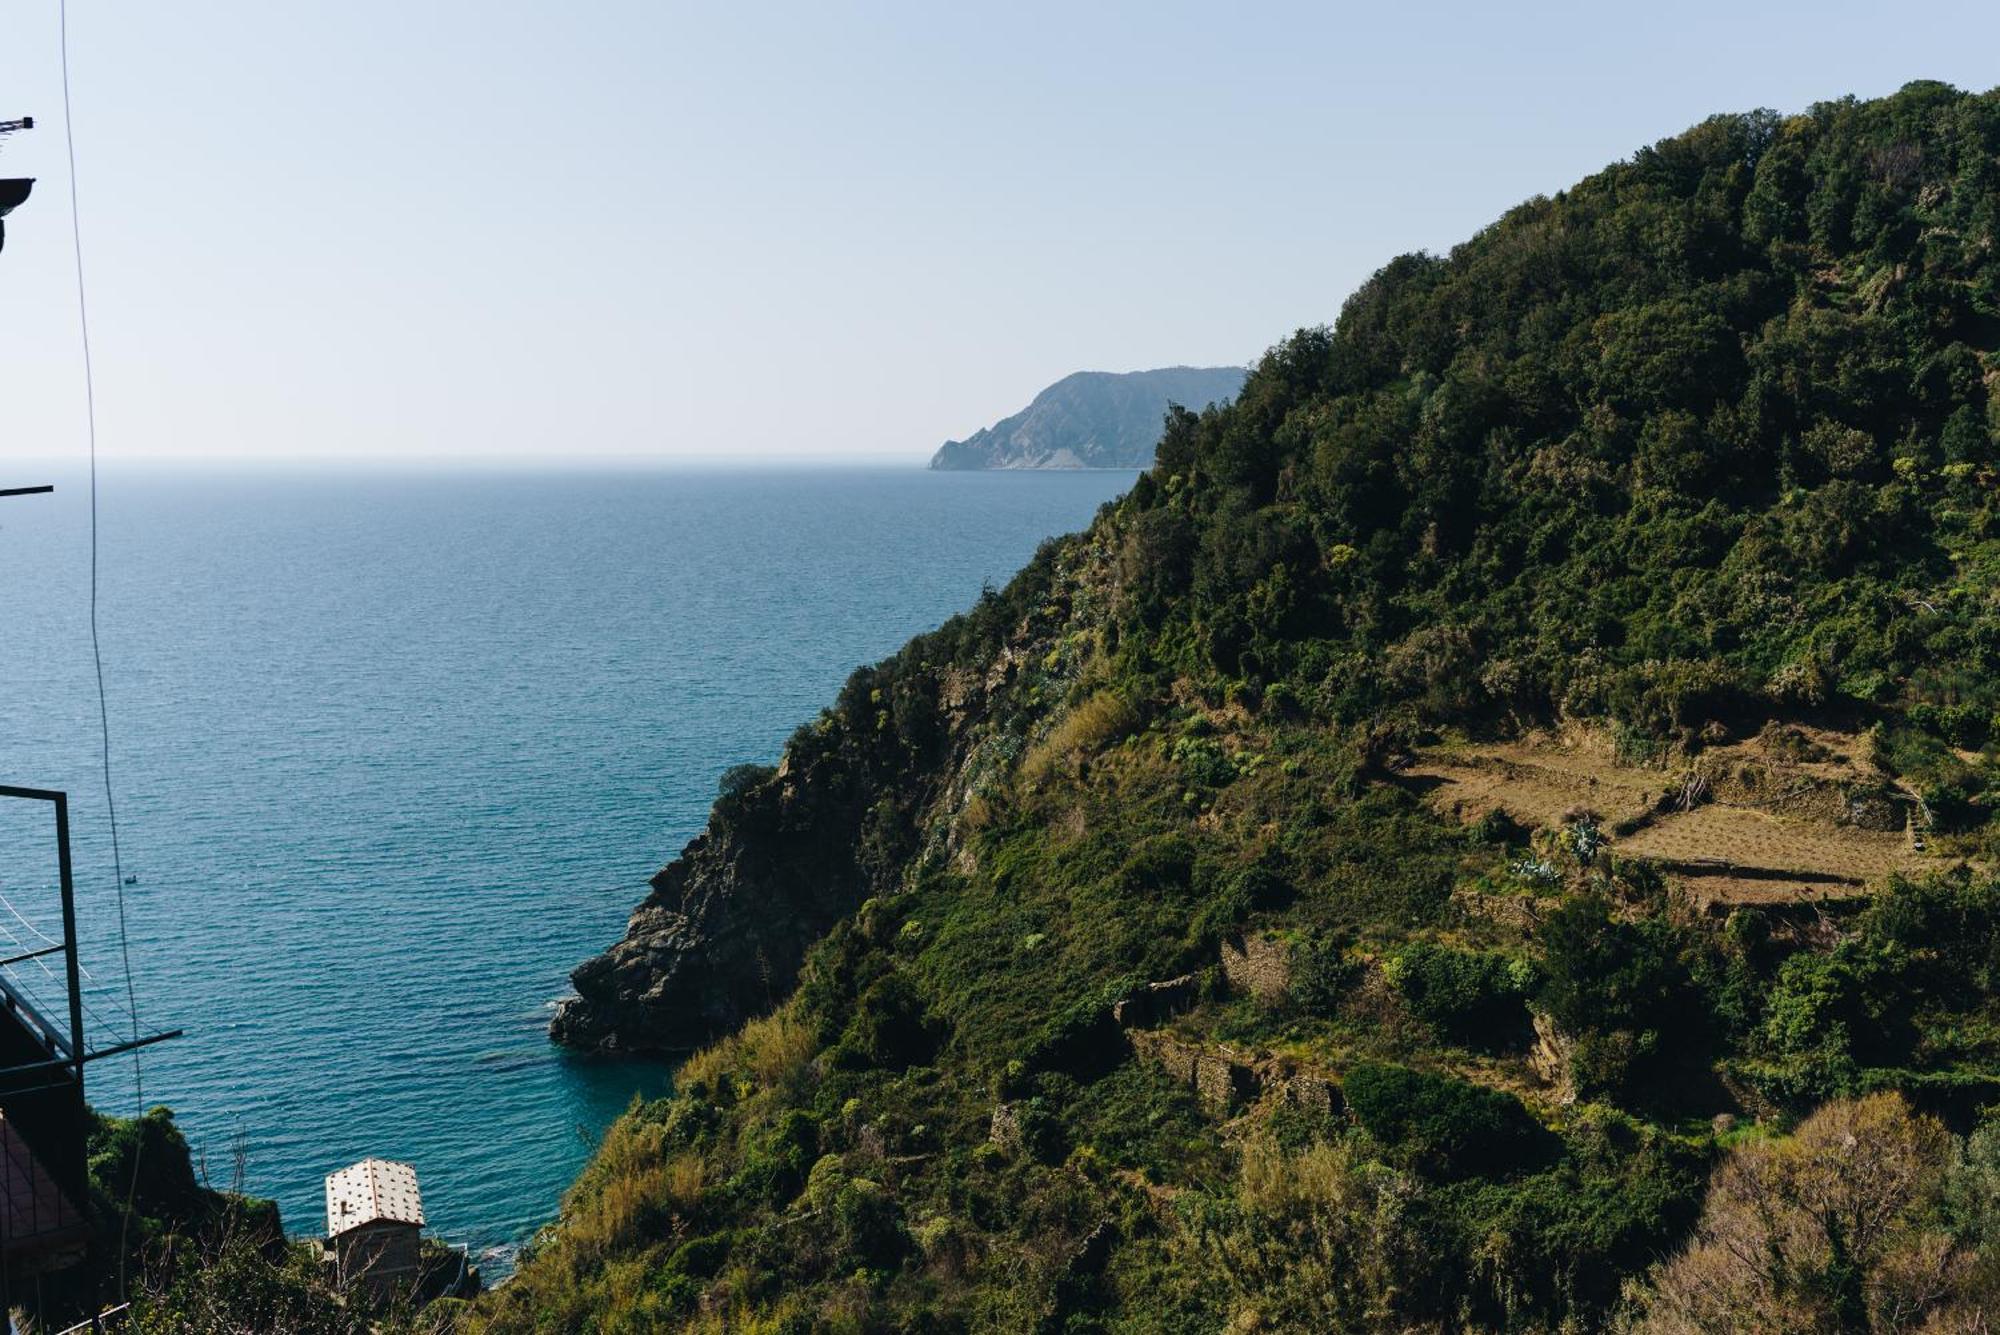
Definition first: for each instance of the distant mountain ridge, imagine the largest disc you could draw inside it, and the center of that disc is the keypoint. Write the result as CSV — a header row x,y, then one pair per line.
x,y
1092,419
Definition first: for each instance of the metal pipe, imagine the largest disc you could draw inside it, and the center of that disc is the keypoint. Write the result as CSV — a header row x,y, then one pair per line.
x,y
64,1063
69,935
132,1043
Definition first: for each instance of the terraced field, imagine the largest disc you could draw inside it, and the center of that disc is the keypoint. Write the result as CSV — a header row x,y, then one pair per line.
x,y
1775,820
1535,786
1738,838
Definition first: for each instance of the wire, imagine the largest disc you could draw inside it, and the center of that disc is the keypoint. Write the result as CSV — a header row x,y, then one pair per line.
x,y
22,919
45,938
96,647
108,1024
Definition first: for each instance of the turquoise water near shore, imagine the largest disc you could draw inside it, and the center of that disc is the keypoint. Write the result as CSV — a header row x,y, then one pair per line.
x,y
394,751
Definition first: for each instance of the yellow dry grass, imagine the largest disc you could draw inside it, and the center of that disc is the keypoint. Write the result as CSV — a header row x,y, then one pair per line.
x,y
1736,837
1536,788
1086,728
1273,1182
766,1051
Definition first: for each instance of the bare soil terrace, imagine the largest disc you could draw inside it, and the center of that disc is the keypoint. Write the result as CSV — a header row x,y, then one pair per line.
x,y
1790,816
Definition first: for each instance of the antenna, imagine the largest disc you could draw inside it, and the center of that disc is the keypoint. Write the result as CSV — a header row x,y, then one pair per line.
x,y
14,191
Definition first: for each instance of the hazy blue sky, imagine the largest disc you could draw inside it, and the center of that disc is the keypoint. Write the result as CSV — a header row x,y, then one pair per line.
x,y
575,229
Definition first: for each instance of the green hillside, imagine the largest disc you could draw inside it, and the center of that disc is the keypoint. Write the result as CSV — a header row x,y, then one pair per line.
x,y
1522,758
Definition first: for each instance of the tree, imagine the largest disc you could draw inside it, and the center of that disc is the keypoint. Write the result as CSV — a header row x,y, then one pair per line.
x,y
1835,1228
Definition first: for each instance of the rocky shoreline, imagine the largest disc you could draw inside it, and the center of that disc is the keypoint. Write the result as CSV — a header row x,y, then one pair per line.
x,y
724,931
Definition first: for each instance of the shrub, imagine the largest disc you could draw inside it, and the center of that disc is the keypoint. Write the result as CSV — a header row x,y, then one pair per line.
x,y
868,1224
701,1257
1621,989
236,1284
892,1027
1322,974
777,1158
1081,1039
1258,887
1601,973
740,779
1812,1233
1440,1125
1675,697
1498,827
1204,762
1474,997
1317,1241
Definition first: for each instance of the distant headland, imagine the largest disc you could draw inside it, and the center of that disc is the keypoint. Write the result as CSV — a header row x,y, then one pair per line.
x,y
1092,419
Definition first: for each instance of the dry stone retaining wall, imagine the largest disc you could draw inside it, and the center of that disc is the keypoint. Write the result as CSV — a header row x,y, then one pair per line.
x,y
1258,966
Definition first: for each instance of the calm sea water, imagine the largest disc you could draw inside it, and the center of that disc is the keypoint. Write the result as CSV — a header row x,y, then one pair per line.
x,y
394,752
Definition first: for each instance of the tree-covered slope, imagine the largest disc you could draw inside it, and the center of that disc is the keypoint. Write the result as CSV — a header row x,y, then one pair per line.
x,y
1092,419
1152,984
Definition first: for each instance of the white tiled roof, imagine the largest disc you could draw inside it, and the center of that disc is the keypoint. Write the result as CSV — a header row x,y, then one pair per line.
x,y
370,1192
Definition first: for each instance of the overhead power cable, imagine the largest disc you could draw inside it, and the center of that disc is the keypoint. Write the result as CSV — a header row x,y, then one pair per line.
x,y
96,644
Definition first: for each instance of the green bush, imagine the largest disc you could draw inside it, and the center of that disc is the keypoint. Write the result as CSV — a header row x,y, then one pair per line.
x,y
892,1027
702,1257
740,779
869,1224
1443,1126
1204,762
1602,973
1322,974
1470,996
776,1160
1080,1039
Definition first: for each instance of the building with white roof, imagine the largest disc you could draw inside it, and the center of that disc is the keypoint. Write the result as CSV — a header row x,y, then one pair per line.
x,y
375,1222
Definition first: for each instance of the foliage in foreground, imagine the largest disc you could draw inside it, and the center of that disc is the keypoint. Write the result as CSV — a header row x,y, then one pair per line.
x,y
198,1260
1866,1218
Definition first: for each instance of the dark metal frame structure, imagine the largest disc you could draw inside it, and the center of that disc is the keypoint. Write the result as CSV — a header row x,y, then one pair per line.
x,y
72,1052
23,1009
44,1122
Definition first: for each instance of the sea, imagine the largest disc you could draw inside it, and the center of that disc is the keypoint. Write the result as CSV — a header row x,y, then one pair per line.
x,y
393,751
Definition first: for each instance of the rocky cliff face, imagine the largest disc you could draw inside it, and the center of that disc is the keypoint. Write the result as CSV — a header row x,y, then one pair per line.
x,y
1093,419
864,795
722,933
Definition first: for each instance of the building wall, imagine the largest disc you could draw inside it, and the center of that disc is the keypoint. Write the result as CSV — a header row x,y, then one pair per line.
x,y
45,1107
380,1256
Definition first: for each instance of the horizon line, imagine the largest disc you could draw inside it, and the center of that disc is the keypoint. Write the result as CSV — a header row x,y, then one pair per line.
x,y
447,462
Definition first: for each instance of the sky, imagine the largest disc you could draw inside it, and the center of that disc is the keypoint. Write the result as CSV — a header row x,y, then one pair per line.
x,y
632,230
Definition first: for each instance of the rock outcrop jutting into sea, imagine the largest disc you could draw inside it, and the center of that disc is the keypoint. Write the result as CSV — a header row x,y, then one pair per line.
x,y
1092,419
722,934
